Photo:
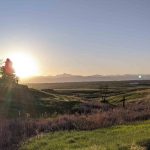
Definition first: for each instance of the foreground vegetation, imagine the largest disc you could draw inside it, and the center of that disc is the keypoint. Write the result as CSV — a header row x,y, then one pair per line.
x,y
14,131
136,136
26,113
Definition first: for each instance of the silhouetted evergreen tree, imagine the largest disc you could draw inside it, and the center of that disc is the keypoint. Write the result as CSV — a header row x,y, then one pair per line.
x,y
7,72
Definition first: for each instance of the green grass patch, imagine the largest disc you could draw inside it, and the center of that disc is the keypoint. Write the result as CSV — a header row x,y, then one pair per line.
x,y
130,97
136,136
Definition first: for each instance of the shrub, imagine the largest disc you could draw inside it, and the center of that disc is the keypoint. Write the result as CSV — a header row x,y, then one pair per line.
x,y
14,131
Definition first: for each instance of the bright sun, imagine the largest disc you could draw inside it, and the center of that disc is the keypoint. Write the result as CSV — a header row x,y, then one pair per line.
x,y
24,65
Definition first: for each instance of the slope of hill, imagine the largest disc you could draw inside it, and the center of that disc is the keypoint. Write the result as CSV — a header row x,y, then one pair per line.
x,y
134,137
72,109
18,101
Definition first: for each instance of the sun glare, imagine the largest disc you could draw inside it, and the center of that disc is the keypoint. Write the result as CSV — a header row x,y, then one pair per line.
x,y
24,65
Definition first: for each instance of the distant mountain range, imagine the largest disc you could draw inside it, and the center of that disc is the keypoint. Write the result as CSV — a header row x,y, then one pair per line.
x,y
79,78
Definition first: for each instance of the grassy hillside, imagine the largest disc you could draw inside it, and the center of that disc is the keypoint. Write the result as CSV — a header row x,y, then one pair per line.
x,y
79,109
21,100
136,136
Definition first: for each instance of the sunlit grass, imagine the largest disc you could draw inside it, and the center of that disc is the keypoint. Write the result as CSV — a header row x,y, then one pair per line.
x,y
115,138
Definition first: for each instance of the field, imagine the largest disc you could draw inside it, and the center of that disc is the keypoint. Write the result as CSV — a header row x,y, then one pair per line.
x,y
123,137
90,85
68,98
91,115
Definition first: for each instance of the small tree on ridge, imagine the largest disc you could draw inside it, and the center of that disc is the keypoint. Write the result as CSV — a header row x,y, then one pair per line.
x,y
7,72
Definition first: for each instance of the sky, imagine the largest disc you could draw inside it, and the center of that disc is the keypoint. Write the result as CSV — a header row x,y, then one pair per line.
x,y
83,37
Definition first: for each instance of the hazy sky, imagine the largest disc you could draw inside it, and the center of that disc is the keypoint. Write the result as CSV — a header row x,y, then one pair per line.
x,y
79,36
